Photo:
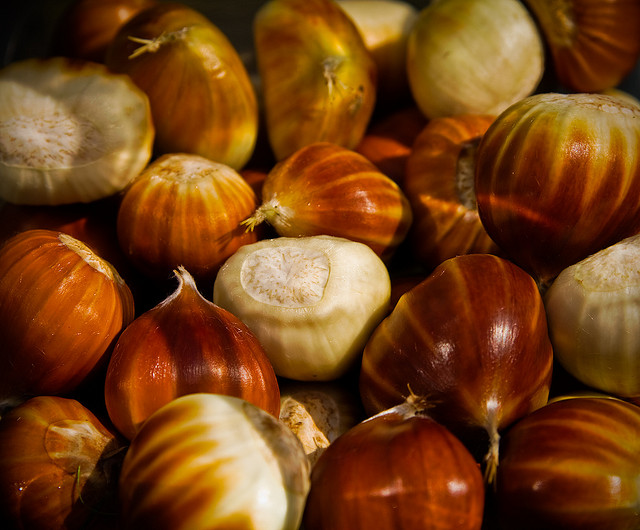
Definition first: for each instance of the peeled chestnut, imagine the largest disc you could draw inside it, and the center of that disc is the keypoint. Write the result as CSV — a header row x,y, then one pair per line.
x,y
62,308
558,178
202,99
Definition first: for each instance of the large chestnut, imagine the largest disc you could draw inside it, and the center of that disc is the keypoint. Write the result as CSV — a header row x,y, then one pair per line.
x,y
572,464
62,308
398,469
472,338
558,178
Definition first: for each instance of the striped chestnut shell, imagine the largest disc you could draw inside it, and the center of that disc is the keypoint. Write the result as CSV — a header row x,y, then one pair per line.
x,y
327,189
201,96
439,183
184,209
62,308
583,450
594,43
558,178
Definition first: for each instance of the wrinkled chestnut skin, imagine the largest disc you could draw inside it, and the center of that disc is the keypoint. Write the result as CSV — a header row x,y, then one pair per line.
x,y
574,463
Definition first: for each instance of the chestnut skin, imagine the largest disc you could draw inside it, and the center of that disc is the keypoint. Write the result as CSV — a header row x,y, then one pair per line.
x,y
395,471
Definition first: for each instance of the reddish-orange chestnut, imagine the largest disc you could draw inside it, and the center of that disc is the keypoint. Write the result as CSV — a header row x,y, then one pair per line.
x,y
184,345
399,469
61,309
59,467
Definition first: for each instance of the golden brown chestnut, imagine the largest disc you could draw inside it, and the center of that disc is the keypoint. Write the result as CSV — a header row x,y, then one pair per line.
x,y
327,189
594,44
439,183
558,178
59,466
472,339
87,27
398,469
318,78
185,344
184,209
61,309
572,464
202,99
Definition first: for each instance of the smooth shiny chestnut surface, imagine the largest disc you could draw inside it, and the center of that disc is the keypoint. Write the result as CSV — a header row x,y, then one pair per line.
x,y
202,99
574,463
185,344
472,338
393,471
318,77
326,189
62,308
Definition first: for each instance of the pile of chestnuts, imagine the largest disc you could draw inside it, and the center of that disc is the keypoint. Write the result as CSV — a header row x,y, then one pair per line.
x,y
321,265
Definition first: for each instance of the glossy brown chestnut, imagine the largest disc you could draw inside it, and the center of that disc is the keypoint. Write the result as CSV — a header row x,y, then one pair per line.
x,y
62,308
326,189
185,344
594,44
558,178
472,339
87,27
399,469
318,78
572,464
59,467
184,209
202,99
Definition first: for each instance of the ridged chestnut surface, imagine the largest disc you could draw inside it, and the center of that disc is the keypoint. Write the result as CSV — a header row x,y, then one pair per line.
x,y
62,308
318,78
573,464
184,209
472,339
59,467
439,183
326,189
202,99
558,178
594,43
